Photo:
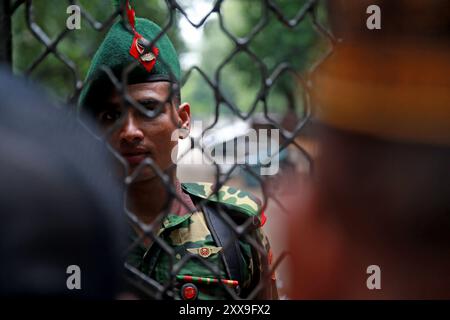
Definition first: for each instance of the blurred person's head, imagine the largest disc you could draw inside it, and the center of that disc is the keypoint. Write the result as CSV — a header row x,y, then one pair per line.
x,y
59,205
380,190
369,202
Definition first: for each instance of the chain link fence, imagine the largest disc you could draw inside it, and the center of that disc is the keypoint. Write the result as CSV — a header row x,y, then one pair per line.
x,y
290,135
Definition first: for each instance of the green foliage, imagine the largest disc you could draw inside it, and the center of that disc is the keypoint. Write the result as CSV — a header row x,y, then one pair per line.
x,y
78,45
241,79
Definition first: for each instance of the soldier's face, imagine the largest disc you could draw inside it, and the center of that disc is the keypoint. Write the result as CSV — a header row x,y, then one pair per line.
x,y
137,137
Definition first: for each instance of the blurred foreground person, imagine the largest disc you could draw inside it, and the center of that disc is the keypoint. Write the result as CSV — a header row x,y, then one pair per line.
x,y
373,221
58,206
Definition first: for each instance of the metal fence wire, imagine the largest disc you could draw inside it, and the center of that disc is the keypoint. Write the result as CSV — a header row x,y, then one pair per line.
x,y
144,283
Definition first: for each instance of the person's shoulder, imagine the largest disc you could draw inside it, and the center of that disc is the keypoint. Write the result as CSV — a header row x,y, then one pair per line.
x,y
238,200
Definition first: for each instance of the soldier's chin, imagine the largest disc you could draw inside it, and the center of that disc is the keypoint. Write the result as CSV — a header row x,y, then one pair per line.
x,y
142,174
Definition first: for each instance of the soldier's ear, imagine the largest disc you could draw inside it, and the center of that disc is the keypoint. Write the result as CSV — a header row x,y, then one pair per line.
x,y
184,116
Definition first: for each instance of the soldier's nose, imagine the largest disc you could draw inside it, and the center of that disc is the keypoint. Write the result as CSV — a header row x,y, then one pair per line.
x,y
130,131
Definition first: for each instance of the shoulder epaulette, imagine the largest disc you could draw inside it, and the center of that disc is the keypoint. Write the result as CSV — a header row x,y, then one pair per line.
x,y
239,200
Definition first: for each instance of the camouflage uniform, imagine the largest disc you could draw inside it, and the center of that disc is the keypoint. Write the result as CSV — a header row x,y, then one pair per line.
x,y
187,235
190,235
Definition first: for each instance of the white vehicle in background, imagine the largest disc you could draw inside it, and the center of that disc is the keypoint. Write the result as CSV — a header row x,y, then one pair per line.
x,y
231,141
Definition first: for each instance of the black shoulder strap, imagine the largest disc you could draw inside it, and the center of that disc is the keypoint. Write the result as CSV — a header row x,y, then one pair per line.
x,y
222,233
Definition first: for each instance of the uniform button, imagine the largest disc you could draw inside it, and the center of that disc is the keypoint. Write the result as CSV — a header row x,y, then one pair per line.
x,y
189,291
204,252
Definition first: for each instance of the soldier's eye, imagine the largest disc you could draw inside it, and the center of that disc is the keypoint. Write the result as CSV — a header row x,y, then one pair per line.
x,y
109,116
154,106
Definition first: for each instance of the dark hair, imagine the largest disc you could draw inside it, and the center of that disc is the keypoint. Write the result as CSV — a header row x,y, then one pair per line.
x,y
55,185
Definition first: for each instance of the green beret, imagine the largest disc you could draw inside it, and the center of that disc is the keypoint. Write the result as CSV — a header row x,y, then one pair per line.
x,y
116,51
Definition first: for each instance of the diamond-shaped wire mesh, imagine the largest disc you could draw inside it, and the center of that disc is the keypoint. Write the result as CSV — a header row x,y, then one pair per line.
x,y
215,82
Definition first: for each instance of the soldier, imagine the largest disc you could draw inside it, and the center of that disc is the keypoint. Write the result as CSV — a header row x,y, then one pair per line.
x,y
373,221
200,257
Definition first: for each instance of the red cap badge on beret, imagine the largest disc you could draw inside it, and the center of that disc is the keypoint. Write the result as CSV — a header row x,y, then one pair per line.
x,y
146,57
138,50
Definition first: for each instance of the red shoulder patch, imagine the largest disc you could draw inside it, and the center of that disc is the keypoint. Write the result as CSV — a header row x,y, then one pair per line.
x,y
263,218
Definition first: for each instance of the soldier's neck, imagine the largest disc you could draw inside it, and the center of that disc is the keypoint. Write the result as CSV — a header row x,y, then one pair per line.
x,y
147,199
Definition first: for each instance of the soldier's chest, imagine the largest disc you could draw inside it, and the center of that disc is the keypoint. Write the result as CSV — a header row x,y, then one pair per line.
x,y
191,250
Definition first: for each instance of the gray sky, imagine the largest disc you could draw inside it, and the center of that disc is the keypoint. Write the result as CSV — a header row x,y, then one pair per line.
x,y
196,10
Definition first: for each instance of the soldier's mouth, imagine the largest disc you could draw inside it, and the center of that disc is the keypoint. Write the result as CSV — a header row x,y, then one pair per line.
x,y
135,158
